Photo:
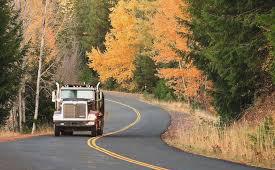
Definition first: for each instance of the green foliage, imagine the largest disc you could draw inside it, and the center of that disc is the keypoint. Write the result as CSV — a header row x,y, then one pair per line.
x,y
92,22
231,49
267,21
10,56
46,106
111,84
162,92
145,74
92,18
88,76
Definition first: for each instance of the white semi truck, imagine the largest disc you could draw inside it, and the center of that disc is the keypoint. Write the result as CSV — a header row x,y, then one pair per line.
x,y
78,108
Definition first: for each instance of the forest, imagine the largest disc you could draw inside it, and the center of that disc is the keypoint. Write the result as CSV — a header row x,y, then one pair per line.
x,y
216,55
212,55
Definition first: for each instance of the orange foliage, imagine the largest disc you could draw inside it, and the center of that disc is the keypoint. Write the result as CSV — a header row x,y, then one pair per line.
x,y
186,79
121,46
32,16
183,81
166,29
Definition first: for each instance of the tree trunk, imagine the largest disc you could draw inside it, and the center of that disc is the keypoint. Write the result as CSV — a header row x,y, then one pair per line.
x,y
21,101
24,105
20,111
37,94
21,91
14,118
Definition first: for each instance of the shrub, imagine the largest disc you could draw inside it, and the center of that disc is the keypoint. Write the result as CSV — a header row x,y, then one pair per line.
x,y
163,92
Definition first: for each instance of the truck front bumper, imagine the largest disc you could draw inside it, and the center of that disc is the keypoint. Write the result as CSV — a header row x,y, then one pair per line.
x,y
75,125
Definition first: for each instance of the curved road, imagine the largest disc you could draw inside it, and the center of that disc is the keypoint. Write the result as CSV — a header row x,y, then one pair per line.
x,y
136,146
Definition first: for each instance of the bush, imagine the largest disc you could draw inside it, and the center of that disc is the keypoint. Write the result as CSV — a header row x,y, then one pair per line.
x,y
111,84
162,92
88,76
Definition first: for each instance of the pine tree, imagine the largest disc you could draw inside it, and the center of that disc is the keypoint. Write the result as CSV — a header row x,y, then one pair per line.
x,y
145,73
230,47
10,56
92,24
267,22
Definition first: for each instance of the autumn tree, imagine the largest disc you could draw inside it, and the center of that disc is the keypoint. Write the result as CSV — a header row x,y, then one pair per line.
x,y
32,15
10,57
121,46
128,39
171,44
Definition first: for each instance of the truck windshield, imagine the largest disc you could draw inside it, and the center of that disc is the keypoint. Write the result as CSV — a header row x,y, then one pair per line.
x,y
83,94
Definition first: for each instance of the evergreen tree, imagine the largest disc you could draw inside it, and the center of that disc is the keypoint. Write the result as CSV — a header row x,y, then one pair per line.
x,y
163,92
145,73
93,23
10,56
267,21
230,47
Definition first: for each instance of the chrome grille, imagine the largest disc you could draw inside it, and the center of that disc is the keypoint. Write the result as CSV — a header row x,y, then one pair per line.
x,y
74,110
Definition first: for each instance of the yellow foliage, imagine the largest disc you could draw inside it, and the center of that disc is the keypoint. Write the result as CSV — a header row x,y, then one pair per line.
x,y
183,81
186,79
166,30
121,46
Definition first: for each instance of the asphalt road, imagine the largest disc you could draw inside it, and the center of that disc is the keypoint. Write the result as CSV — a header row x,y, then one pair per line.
x,y
138,146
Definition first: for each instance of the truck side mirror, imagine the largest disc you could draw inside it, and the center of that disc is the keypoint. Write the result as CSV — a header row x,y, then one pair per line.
x,y
53,96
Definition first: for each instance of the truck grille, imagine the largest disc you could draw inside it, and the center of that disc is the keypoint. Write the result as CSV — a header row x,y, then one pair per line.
x,y
74,110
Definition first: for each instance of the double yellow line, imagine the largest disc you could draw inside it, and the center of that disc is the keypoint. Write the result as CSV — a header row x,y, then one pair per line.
x,y
92,142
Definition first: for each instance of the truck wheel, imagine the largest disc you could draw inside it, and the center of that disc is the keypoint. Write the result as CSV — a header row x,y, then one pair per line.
x,y
93,132
100,131
56,131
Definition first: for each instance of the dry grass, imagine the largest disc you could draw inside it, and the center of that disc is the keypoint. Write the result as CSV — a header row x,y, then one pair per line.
x,y
7,135
197,132
174,106
44,130
240,143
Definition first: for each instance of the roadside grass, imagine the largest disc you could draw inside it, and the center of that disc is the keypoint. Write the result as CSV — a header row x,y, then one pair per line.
x,y
198,132
242,143
44,129
8,135
176,106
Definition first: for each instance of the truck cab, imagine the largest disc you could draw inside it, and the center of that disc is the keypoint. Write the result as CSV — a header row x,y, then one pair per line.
x,y
78,108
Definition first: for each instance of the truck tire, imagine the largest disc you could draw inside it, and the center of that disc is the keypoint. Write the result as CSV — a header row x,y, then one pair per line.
x,y
100,130
93,132
56,131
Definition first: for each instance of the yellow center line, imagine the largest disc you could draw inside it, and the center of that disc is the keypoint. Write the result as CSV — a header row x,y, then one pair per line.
x,y
92,142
